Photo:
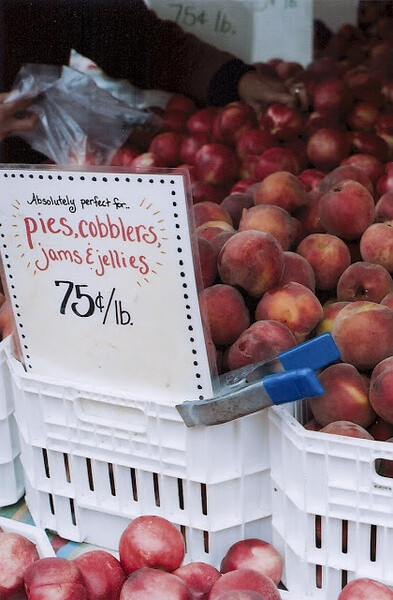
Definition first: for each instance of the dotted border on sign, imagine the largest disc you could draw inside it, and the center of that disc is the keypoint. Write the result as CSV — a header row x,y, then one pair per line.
x,y
182,274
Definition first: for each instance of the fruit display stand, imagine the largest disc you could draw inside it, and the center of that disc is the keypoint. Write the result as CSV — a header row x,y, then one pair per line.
x,y
331,510
11,474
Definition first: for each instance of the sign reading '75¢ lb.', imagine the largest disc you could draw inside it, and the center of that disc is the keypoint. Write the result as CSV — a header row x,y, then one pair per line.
x,y
99,268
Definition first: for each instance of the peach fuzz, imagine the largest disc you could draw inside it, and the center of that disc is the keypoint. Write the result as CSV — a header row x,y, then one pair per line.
x,y
262,340
381,389
347,209
282,189
292,304
227,313
376,244
235,203
251,260
210,211
364,281
347,429
345,397
364,588
330,311
386,301
363,333
329,257
384,208
343,173
207,261
270,219
297,268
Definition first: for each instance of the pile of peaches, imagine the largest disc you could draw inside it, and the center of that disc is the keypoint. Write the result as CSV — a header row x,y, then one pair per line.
x,y
293,212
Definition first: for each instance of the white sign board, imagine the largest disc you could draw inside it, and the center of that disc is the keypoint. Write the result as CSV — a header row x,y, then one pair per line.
x,y
100,271
253,30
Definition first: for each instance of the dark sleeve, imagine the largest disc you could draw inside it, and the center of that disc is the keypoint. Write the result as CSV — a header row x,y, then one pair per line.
x,y
127,40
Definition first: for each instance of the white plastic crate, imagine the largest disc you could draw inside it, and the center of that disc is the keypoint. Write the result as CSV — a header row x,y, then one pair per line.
x,y
32,533
11,475
332,514
93,463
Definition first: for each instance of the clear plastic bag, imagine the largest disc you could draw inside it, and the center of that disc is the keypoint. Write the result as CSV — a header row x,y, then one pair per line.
x,y
79,122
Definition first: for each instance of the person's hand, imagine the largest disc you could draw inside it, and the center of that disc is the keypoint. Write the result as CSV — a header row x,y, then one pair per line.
x,y
259,90
14,116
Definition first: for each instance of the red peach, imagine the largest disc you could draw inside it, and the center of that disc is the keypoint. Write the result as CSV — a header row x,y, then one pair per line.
x,y
227,313
210,229
310,178
332,95
232,120
316,120
284,122
254,141
327,147
216,164
240,595
190,145
381,388
381,430
297,268
369,143
364,281
376,245
384,208
363,588
174,121
166,146
252,260
17,553
182,103
347,429
363,333
245,579
384,183
256,554
210,211
292,304
282,189
330,311
312,425
270,219
343,173
388,300
309,214
362,116
345,397
260,341
329,257
219,240
102,574
199,577
205,192
347,209
146,160
153,584
201,121
235,203
276,159
371,166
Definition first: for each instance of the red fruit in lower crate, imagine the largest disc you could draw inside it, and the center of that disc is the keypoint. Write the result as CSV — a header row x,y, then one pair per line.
x,y
151,541
199,578
17,553
227,313
256,554
245,579
51,571
152,584
364,588
347,429
240,595
102,574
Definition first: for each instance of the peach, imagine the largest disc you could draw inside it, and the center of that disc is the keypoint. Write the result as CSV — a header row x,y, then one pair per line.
x,y
202,191
381,430
332,95
282,189
292,304
251,260
260,341
347,429
254,141
309,214
370,165
235,203
376,244
210,229
381,390
276,159
345,397
364,281
347,209
207,261
363,588
388,300
270,219
245,579
256,554
311,178
362,116
219,240
363,333
227,313
343,173
330,311
327,147
210,211
369,143
297,268
384,208
329,257
312,425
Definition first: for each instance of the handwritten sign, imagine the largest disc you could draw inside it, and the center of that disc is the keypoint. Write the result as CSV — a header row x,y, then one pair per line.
x,y
100,271
253,30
